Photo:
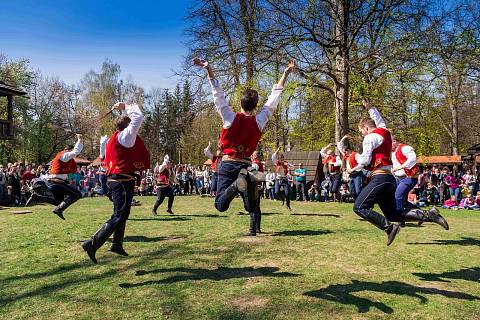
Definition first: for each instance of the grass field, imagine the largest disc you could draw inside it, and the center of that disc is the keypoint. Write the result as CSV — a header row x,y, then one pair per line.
x,y
318,262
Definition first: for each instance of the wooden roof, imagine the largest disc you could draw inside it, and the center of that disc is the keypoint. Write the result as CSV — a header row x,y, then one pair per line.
x,y
439,159
310,159
9,90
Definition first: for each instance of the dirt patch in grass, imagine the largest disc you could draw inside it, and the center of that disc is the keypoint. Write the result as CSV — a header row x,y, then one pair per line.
x,y
253,240
249,303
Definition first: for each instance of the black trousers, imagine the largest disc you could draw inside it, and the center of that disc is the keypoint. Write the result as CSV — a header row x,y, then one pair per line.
x,y
161,194
63,192
227,174
380,190
336,180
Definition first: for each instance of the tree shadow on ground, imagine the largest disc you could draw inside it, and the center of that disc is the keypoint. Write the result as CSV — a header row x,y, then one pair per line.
x,y
317,215
294,233
469,274
148,239
202,215
343,293
465,241
166,218
219,274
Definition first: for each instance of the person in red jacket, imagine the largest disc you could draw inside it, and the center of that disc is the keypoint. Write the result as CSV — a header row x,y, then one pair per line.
x,y
376,158
125,154
165,177
356,177
239,138
57,179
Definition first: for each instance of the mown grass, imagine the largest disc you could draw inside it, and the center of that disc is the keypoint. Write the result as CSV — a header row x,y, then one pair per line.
x,y
321,262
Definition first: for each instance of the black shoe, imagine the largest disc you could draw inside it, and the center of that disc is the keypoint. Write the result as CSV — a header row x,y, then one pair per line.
x,y
170,211
88,247
241,181
259,231
392,232
435,216
154,212
250,234
118,250
58,212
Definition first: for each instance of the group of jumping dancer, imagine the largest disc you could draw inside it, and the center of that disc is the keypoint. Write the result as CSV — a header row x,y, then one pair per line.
x,y
238,169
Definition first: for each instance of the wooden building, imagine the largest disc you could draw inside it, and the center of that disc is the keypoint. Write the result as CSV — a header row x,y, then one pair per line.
x,y
7,125
312,162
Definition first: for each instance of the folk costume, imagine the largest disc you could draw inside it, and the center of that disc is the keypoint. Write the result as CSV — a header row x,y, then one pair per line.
x,y
282,185
165,179
125,154
239,138
216,159
376,158
355,183
333,164
57,180
404,156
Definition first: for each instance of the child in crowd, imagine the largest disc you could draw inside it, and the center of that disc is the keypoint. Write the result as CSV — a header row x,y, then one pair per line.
x,y
451,203
468,203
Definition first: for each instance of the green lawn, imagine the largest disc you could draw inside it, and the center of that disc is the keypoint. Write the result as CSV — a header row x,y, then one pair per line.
x,y
318,262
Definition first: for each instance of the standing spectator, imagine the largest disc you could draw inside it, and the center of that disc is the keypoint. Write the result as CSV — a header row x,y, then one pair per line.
x,y
270,184
453,185
3,182
13,181
469,179
301,182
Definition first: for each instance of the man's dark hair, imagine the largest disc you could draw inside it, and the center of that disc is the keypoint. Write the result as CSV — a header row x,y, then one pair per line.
x,y
249,99
122,123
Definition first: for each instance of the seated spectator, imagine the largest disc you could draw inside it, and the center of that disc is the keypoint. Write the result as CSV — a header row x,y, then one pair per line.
x,y
313,193
451,203
468,203
430,195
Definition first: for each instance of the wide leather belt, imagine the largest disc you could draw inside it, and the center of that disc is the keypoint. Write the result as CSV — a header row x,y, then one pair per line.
x,y
57,180
121,177
375,172
243,160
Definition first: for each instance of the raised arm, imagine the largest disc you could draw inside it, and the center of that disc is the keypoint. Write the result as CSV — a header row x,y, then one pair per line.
x,y
128,136
207,151
274,156
166,160
219,100
272,103
374,114
103,146
341,146
69,155
323,151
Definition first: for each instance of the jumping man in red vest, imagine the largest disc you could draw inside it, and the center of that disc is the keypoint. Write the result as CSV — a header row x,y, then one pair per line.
x,y
165,178
239,138
216,159
334,170
282,185
355,183
376,158
125,154
406,171
57,180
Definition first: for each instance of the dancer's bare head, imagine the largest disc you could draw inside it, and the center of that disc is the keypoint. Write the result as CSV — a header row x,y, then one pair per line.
x,y
366,126
69,147
249,99
395,142
122,122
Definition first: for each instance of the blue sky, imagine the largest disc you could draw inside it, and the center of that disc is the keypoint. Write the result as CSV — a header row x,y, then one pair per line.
x,y
67,38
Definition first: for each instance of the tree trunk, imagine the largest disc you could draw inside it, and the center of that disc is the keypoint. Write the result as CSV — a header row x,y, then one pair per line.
x,y
341,68
247,13
454,111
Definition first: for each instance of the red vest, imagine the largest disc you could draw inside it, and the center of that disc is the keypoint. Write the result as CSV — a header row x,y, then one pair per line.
x,y
241,139
215,161
351,160
163,177
60,167
330,162
120,159
402,158
283,165
381,156
259,164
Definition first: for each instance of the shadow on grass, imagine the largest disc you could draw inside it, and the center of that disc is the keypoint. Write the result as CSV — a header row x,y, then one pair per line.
x,y
317,215
343,293
294,233
202,215
166,218
154,239
219,274
465,241
469,274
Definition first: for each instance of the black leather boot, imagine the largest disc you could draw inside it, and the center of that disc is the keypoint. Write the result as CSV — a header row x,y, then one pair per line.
x,y
382,223
117,242
252,230
258,221
242,182
155,207
58,210
98,239
170,205
432,215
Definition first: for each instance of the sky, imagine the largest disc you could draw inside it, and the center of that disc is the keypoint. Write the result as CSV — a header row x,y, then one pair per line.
x,y
68,38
